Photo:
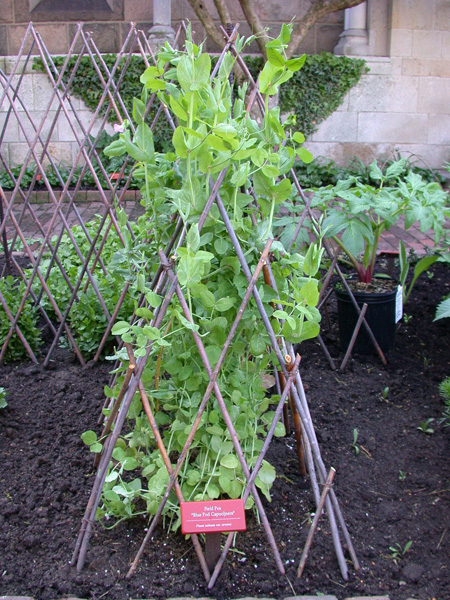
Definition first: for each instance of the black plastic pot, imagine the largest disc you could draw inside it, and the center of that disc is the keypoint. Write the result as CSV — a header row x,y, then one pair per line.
x,y
380,316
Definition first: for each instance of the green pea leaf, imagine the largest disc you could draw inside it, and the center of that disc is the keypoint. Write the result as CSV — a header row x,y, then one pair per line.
x,y
89,437
229,461
120,327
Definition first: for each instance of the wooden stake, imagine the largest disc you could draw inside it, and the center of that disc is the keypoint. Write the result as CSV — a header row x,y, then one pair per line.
x,y
315,522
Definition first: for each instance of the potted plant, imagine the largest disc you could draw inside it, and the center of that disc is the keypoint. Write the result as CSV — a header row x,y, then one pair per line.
x,y
355,216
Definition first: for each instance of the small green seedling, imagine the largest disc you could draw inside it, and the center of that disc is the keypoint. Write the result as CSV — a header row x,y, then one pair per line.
x,y
401,475
3,403
385,393
424,426
355,438
90,439
406,318
398,552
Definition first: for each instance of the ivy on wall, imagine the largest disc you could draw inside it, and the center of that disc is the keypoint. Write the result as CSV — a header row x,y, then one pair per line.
x,y
317,90
312,94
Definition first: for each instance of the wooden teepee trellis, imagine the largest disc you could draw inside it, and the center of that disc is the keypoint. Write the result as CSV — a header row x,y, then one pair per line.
x,y
165,283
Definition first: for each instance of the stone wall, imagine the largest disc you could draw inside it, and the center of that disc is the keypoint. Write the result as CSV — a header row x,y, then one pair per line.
x,y
403,102
19,131
109,21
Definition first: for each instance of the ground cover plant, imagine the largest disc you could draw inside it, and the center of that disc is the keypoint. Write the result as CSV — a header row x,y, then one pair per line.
x,y
12,292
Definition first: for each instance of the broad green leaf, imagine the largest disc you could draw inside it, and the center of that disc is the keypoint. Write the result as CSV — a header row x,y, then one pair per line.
x,y
235,489
275,58
443,310
225,484
213,353
152,333
120,327
257,345
282,190
262,184
201,72
229,461
375,172
295,64
193,238
116,148
185,74
179,142
213,491
310,292
298,137
89,437
178,109
112,477
224,304
153,299
304,155
267,473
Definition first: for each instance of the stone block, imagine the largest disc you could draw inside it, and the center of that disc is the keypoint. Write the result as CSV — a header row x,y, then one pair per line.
x,y
141,25
327,36
7,12
401,42
392,127
434,94
380,33
411,15
3,40
38,120
136,10
66,133
68,10
426,67
339,127
107,36
315,597
16,598
384,93
24,91
308,43
435,155
18,65
60,152
379,65
368,598
10,133
43,92
16,35
426,44
4,155
18,152
342,154
441,15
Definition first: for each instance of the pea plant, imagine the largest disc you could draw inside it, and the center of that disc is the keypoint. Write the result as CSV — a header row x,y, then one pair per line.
x,y
215,134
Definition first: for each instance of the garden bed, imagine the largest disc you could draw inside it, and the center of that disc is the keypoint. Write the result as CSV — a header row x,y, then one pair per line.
x,y
393,483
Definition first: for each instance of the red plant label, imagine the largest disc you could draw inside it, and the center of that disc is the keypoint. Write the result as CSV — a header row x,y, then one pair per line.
x,y
212,515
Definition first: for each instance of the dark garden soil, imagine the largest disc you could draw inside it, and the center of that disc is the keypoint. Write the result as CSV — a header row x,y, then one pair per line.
x,y
395,490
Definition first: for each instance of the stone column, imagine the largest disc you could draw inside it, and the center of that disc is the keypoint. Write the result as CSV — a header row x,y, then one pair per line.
x,y
354,40
162,24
